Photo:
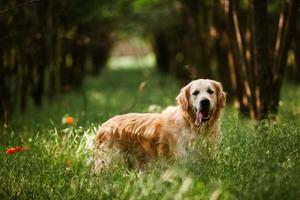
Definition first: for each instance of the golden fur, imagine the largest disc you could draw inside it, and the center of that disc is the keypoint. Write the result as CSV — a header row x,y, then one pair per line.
x,y
148,135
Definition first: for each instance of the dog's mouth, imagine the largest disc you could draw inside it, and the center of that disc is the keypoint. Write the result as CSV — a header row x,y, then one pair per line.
x,y
202,116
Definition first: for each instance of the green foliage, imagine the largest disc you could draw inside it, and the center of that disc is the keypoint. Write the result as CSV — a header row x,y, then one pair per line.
x,y
255,160
140,4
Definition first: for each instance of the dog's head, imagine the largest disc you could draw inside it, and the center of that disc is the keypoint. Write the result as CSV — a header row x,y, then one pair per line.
x,y
202,100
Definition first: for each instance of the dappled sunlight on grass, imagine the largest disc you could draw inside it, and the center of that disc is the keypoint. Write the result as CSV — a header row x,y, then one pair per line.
x,y
289,108
125,62
96,96
119,91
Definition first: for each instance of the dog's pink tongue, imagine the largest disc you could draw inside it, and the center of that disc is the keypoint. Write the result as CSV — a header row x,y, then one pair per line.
x,y
198,118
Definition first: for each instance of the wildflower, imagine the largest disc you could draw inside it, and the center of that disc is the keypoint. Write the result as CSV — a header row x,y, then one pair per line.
x,y
16,149
68,120
11,150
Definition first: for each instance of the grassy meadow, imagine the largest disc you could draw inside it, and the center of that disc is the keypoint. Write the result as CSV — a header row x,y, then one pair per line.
x,y
255,160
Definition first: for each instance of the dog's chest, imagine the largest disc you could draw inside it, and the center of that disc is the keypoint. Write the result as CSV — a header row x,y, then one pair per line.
x,y
183,142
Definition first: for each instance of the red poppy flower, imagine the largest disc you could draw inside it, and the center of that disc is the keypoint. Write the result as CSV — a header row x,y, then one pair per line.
x,y
16,149
11,150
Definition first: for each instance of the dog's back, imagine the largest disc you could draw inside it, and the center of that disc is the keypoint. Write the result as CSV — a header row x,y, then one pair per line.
x,y
124,128
135,134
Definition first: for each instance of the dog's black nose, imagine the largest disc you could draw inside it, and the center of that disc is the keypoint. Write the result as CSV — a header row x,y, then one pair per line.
x,y
205,103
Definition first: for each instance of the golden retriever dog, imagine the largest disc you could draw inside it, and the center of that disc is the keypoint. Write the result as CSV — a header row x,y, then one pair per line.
x,y
147,135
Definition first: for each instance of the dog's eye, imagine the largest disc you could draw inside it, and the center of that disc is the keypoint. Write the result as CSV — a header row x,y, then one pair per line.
x,y
209,91
195,93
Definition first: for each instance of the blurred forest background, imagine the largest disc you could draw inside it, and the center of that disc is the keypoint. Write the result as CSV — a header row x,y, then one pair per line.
x,y
49,47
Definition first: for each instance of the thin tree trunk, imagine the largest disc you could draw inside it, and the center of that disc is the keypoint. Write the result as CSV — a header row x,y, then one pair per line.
x,y
261,56
4,94
243,92
161,50
296,70
281,54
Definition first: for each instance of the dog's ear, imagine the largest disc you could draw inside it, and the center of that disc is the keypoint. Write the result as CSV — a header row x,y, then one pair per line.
x,y
221,95
183,98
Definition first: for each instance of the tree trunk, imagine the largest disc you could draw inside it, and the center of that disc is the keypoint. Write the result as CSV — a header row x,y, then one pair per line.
x,y
280,55
4,94
262,64
161,50
243,89
296,70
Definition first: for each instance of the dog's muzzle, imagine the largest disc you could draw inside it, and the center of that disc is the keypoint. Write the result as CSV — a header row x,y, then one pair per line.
x,y
203,112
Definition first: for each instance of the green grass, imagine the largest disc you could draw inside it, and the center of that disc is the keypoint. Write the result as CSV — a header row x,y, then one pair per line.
x,y
254,161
